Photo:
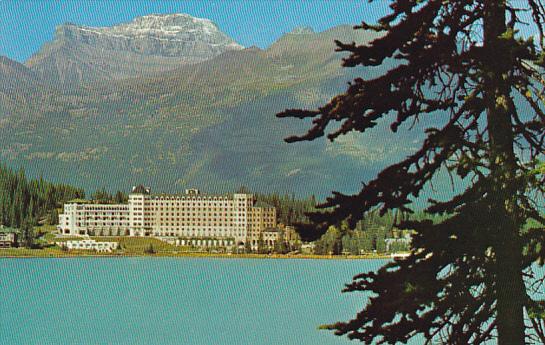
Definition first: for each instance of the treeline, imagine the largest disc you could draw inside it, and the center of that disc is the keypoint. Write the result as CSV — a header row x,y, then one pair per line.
x,y
289,209
374,233
103,197
26,201
369,235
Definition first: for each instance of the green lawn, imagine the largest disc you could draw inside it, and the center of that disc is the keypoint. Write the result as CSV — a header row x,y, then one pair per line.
x,y
138,245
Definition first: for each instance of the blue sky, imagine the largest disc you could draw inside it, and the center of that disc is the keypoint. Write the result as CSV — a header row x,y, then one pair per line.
x,y
26,25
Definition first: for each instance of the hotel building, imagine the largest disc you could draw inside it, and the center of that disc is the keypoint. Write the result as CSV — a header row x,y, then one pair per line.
x,y
183,216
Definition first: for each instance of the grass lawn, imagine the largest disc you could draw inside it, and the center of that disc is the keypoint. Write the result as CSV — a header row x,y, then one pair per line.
x,y
138,245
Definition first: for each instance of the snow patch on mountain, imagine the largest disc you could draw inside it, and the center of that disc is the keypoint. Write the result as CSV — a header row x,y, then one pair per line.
x,y
156,34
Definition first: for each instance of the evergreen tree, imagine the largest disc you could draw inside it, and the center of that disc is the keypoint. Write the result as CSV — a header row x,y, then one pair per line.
x,y
50,198
102,196
330,243
261,249
54,217
21,198
121,198
289,210
280,246
462,66
27,234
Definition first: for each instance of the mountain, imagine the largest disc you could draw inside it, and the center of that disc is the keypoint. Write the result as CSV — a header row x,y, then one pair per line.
x,y
14,75
301,30
20,89
144,46
209,125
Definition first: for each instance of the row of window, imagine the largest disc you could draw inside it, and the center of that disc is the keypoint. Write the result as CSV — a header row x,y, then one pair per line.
x,y
194,211
104,209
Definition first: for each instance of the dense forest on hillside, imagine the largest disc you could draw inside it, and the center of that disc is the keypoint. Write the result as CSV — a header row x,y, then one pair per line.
x,y
289,209
24,200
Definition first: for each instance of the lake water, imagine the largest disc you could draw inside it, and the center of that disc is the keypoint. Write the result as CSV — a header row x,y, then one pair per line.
x,y
175,300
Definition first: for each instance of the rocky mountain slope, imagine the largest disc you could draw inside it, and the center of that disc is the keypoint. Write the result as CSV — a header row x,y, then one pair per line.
x,y
15,76
209,125
144,46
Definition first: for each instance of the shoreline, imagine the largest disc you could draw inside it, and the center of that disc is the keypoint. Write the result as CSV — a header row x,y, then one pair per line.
x,y
136,247
61,255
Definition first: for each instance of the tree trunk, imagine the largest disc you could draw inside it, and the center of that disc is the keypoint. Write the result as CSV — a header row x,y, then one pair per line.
x,y
504,217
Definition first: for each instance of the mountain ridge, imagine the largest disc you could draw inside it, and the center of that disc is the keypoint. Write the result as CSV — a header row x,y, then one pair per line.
x,y
210,124
143,46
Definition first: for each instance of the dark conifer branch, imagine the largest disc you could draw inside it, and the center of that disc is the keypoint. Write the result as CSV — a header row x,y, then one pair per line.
x,y
538,14
460,63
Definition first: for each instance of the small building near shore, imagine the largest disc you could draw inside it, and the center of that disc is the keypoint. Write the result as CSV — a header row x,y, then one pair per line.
x,y
308,248
291,237
271,236
89,244
8,237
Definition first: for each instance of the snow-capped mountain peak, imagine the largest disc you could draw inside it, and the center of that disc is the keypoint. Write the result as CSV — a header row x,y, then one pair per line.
x,y
179,35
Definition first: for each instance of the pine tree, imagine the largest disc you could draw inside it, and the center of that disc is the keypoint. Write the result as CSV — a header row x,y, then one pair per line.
x,y
120,197
463,66
102,196
54,217
280,245
261,244
27,234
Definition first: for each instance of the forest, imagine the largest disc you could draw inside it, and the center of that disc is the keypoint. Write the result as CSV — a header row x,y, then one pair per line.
x,y
27,202
374,233
289,208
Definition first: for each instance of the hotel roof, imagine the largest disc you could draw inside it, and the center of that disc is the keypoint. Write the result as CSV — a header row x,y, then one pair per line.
x,y
140,189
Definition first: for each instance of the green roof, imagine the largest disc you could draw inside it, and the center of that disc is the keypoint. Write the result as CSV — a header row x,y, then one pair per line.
x,y
78,201
7,229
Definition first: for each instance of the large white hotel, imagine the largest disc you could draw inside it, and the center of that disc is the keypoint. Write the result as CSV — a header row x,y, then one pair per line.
x,y
191,215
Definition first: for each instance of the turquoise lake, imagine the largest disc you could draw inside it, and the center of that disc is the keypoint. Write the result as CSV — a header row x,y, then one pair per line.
x,y
196,301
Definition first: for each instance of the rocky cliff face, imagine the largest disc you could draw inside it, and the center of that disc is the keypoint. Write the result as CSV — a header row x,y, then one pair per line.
x,y
176,35
146,45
